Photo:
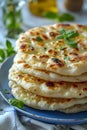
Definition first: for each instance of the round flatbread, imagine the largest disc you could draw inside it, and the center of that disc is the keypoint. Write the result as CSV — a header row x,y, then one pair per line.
x,y
75,108
59,48
49,76
48,88
43,103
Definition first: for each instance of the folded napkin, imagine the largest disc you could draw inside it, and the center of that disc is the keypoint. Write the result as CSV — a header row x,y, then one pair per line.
x,y
11,120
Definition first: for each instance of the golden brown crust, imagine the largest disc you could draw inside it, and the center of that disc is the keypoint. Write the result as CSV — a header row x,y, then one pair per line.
x,y
48,88
42,43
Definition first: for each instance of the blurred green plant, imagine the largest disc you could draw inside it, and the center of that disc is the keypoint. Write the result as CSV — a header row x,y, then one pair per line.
x,y
61,17
6,51
12,18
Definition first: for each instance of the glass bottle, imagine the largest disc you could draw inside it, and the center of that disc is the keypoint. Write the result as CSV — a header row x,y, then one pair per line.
x,y
74,5
12,18
39,7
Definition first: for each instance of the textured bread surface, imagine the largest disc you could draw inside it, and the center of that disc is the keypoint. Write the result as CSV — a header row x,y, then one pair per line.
x,y
49,53
48,88
49,76
43,103
49,71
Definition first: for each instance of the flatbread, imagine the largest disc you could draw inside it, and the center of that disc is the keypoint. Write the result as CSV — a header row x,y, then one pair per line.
x,y
43,103
48,88
49,76
75,108
44,49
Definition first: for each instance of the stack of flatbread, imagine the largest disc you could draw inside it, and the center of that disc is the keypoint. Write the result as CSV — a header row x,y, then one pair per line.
x,y
49,71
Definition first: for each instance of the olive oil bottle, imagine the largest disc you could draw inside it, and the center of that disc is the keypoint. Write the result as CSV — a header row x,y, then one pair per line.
x,y
39,7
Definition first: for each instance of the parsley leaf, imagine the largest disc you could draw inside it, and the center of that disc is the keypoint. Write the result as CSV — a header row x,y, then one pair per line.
x,y
62,31
59,37
16,103
8,44
6,51
2,55
9,49
71,43
39,39
67,35
71,34
61,17
65,17
50,15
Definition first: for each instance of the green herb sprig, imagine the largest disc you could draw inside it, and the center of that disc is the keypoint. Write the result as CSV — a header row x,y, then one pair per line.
x,y
67,35
6,51
61,17
71,43
39,39
16,103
